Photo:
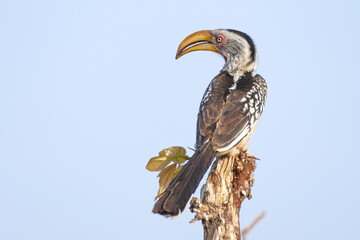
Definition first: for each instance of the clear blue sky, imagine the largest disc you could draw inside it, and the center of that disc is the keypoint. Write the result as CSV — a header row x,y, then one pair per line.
x,y
90,90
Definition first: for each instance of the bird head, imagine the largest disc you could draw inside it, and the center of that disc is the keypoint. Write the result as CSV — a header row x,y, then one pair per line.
x,y
236,47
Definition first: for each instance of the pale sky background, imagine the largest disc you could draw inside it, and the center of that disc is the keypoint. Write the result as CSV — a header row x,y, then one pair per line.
x,y
90,90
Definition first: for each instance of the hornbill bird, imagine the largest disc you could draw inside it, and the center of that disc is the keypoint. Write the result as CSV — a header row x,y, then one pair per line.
x,y
228,114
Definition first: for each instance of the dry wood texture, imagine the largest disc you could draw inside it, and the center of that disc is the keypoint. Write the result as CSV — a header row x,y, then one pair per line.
x,y
229,183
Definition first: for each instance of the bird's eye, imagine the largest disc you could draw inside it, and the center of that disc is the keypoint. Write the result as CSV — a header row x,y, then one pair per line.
x,y
219,39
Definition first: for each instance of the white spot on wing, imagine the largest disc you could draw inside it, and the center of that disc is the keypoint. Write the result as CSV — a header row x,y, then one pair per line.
x,y
252,110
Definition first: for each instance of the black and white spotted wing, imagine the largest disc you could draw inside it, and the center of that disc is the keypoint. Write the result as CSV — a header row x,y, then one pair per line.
x,y
230,112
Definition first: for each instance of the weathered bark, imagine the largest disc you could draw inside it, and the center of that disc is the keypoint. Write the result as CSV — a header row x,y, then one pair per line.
x,y
229,183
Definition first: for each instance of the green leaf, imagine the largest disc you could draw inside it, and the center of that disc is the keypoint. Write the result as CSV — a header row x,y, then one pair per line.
x,y
171,154
177,155
157,163
166,176
177,170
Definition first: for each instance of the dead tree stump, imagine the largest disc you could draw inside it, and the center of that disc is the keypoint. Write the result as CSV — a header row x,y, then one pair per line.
x,y
228,184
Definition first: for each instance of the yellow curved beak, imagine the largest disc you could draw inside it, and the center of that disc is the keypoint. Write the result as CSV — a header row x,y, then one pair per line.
x,y
201,40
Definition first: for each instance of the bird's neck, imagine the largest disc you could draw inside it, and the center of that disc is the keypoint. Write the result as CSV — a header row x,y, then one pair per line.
x,y
236,72
238,77
239,65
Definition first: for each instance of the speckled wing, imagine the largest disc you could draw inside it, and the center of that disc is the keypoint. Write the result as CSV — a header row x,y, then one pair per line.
x,y
211,106
240,113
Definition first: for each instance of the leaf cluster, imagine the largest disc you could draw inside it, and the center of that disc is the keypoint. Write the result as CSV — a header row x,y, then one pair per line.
x,y
169,162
